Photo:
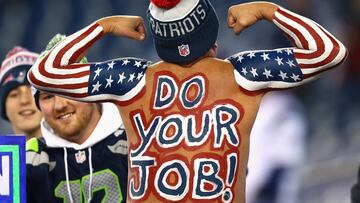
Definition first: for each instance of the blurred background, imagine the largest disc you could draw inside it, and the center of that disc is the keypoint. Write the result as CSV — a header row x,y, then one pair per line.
x,y
329,106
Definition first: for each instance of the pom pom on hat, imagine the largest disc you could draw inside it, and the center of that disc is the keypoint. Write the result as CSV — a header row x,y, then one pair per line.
x,y
165,3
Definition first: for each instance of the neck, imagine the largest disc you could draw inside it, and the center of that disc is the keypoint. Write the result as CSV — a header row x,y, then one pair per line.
x,y
29,133
211,53
86,132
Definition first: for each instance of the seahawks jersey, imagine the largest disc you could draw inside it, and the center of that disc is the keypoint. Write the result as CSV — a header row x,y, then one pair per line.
x,y
47,169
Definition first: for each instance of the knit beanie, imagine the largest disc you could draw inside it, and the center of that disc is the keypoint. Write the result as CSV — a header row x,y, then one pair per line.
x,y
13,72
56,39
183,30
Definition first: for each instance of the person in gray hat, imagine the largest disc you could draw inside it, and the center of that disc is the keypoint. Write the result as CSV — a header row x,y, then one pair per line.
x,y
188,117
17,104
82,154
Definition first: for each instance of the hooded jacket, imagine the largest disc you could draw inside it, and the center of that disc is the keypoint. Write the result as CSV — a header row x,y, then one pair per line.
x,y
62,171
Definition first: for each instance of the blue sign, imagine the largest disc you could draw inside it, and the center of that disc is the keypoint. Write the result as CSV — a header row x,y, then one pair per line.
x,y
12,169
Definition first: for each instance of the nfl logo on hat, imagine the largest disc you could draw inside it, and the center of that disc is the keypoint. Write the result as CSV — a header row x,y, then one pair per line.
x,y
184,50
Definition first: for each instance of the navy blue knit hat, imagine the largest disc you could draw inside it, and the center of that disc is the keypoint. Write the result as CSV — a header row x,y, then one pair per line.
x,y
184,30
13,72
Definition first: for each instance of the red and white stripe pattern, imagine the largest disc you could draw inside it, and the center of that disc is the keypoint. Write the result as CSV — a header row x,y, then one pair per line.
x,y
58,73
316,49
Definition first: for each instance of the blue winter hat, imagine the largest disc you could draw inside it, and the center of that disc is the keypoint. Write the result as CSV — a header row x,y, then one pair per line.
x,y
13,72
184,30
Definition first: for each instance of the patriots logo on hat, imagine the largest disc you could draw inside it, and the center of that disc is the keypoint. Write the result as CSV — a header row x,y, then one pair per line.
x,y
20,78
8,79
184,50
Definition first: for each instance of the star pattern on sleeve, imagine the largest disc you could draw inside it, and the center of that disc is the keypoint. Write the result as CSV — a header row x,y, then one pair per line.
x,y
272,65
120,76
111,65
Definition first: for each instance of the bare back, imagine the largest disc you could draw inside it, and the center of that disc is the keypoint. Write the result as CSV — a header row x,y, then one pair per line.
x,y
189,134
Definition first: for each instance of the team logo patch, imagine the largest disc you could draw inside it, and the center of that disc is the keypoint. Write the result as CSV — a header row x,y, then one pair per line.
x,y
80,157
20,78
184,50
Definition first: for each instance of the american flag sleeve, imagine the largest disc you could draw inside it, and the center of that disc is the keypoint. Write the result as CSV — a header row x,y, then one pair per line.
x,y
315,51
59,73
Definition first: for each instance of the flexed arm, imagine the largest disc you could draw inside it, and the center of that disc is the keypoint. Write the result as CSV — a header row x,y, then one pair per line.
x,y
59,73
315,51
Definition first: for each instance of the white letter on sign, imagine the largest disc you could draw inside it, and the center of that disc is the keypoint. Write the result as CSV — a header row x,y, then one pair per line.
x,y
5,176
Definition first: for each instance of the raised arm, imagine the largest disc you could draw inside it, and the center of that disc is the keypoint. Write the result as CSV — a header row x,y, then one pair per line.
x,y
115,80
315,51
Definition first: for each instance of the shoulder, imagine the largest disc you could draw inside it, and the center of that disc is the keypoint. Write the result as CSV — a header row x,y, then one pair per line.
x,y
262,69
124,77
35,145
117,142
38,154
126,65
